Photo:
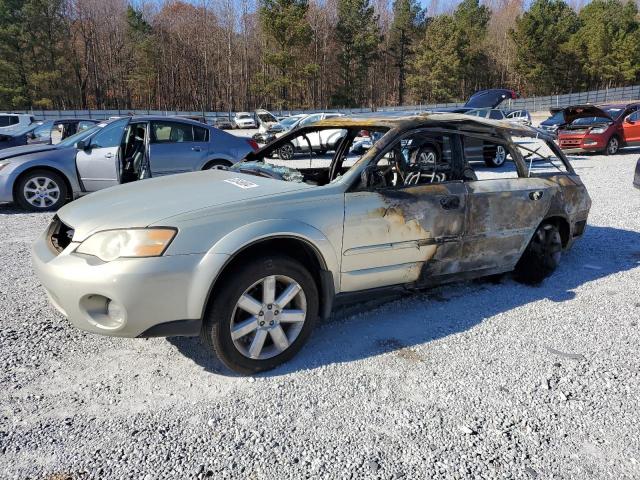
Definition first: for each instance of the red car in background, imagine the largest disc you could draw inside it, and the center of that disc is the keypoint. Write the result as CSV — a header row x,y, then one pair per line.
x,y
604,128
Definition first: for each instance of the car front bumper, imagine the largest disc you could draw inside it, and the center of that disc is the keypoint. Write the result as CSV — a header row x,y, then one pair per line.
x,y
156,296
575,144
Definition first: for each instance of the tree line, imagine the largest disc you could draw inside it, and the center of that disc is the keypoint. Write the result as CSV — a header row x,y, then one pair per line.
x,y
241,54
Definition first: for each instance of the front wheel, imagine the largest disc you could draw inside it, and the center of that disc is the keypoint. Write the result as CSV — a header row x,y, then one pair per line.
x,y
263,315
542,255
41,191
613,145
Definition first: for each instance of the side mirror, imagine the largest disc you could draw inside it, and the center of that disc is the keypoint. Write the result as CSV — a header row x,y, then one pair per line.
x,y
81,145
628,120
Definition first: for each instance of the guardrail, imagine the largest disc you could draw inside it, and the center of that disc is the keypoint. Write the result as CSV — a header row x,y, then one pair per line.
x,y
532,104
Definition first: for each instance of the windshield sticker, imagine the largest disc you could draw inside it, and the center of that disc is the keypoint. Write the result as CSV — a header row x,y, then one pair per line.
x,y
240,182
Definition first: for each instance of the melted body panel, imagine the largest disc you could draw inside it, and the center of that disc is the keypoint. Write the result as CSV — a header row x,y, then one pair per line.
x,y
390,234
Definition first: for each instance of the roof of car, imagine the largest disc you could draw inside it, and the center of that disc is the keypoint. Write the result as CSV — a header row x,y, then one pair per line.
x,y
455,120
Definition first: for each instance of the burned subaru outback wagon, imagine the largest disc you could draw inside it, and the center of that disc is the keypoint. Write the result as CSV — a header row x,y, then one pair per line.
x,y
251,256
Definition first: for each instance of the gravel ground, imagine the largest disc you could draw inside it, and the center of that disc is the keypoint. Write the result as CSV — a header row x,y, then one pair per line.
x,y
475,380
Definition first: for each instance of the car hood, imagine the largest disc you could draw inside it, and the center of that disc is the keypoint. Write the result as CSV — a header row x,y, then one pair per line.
x,y
24,150
155,201
584,111
489,98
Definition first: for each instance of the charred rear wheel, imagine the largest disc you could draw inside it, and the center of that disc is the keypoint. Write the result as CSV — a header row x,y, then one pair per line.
x,y
542,255
613,145
262,314
41,190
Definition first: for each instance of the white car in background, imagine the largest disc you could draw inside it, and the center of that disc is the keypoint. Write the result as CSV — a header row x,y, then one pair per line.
x,y
15,121
319,142
244,120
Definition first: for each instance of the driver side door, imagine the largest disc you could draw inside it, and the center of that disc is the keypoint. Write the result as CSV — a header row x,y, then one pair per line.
x,y
407,230
98,163
631,128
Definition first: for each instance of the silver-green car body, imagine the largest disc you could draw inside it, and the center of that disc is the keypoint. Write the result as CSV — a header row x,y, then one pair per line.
x,y
360,239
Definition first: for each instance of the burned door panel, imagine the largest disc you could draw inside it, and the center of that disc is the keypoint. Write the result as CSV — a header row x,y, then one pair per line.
x,y
390,235
502,216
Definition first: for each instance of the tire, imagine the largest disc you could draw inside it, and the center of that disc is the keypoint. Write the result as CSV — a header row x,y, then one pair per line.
x,y
41,191
542,255
498,159
286,151
256,320
613,146
217,163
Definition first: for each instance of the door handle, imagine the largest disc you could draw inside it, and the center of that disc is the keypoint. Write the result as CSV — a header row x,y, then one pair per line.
x,y
451,202
108,155
196,149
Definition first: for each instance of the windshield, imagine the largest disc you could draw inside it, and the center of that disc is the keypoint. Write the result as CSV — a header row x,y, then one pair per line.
x,y
614,112
73,139
243,115
557,117
267,117
315,156
590,120
288,122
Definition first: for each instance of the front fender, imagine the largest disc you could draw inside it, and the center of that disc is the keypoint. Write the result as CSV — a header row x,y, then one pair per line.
x,y
10,174
246,235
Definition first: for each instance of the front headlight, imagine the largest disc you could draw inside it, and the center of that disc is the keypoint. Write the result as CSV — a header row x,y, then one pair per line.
x,y
4,164
139,242
598,130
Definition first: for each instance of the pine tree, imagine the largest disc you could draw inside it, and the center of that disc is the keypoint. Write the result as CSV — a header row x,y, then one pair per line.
x,y
544,58
286,25
358,37
408,19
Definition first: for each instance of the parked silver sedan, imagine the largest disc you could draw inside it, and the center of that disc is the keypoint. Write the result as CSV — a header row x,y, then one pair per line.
x,y
45,177
252,256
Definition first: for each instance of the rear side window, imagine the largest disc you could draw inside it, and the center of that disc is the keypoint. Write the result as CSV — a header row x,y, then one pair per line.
x,y
200,134
8,120
496,115
173,132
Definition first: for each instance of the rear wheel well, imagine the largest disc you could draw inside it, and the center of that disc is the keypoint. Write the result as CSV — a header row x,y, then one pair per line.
x,y
295,248
563,227
217,161
45,168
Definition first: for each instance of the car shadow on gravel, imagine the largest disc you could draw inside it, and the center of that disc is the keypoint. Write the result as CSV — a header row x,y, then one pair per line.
x,y
402,321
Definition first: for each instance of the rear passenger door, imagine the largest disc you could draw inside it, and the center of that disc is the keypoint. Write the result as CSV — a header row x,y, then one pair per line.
x,y
631,127
503,212
177,147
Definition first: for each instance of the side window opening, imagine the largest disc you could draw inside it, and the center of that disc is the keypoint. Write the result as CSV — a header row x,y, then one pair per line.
x,y
540,156
110,135
485,159
172,132
417,159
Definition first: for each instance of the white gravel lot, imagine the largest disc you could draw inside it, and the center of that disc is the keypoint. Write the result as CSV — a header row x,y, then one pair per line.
x,y
473,380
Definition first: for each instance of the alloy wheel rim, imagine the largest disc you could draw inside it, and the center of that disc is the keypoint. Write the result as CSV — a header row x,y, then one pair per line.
x,y
286,152
613,145
501,155
268,317
41,192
